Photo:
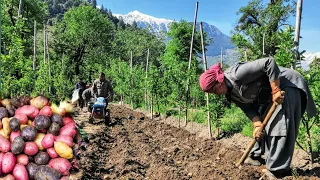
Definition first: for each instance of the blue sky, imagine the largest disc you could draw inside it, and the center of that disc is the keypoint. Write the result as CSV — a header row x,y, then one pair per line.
x,y
220,13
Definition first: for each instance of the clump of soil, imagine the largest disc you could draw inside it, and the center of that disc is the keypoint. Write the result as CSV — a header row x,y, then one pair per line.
x,y
135,147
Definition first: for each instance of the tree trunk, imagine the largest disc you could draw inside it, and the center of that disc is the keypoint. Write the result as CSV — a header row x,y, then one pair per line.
x,y
20,9
77,58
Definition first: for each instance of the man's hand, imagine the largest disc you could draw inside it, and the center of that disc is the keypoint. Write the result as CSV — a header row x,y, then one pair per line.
x,y
278,98
258,131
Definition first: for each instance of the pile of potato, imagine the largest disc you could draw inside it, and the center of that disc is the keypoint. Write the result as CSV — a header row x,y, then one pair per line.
x,y
36,139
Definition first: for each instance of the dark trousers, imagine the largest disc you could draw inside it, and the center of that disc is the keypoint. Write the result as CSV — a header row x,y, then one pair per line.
x,y
81,101
86,101
282,131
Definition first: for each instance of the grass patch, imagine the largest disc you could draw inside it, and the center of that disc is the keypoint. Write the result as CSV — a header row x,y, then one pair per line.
x,y
247,129
233,120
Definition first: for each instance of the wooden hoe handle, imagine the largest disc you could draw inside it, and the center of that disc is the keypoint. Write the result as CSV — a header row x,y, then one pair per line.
x,y
265,122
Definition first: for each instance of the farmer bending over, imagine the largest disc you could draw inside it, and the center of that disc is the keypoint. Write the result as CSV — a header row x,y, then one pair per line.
x,y
253,86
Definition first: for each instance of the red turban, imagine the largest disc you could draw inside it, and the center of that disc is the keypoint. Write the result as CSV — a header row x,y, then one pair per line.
x,y
210,77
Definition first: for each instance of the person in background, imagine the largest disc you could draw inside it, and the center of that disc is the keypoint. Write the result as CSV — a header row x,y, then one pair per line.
x,y
253,87
81,86
87,94
102,87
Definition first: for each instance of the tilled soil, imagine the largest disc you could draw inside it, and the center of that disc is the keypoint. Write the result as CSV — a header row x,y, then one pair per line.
x,y
135,147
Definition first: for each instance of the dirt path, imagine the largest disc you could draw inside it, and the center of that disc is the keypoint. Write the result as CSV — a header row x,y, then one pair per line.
x,y
134,147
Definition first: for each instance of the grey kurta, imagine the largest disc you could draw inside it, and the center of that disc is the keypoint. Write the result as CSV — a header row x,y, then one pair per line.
x,y
251,91
102,88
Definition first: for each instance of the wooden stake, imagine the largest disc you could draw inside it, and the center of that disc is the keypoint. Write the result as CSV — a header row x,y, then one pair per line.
x,y
263,37
297,33
131,81
34,45
44,42
119,71
152,106
179,115
245,54
189,65
49,68
205,68
221,57
146,88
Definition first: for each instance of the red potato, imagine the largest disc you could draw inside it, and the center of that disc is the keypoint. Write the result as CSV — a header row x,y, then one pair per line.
x,y
60,164
5,145
46,111
22,117
39,102
47,141
28,110
20,172
30,148
23,159
1,157
64,138
52,153
14,134
8,162
66,120
69,130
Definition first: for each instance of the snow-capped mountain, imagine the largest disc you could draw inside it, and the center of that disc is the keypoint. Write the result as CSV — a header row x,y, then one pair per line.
x,y
159,25
308,58
145,21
